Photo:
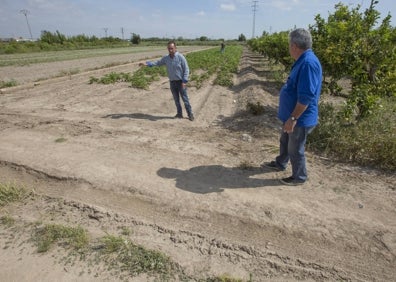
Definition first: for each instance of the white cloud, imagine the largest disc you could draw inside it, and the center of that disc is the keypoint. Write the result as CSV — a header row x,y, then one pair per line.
x,y
285,5
201,13
282,5
228,7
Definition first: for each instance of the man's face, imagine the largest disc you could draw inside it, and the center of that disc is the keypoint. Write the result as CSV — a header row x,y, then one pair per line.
x,y
171,49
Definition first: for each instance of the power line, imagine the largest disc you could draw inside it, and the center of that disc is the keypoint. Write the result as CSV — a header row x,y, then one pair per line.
x,y
26,12
254,6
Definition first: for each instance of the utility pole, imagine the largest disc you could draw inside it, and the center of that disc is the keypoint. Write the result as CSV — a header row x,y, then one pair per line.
x,y
254,6
122,32
26,12
105,30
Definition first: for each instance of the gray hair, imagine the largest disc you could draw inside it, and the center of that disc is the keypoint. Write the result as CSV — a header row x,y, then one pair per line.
x,y
301,37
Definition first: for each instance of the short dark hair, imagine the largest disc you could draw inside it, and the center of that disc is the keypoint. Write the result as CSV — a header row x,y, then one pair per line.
x,y
301,37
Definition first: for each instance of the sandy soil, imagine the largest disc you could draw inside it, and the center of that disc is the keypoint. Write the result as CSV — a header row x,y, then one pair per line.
x,y
193,190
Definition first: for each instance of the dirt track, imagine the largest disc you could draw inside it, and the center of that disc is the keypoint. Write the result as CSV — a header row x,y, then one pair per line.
x,y
179,185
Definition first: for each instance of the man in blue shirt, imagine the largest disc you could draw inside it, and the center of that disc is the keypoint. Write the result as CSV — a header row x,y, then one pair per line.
x,y
298,107
178,71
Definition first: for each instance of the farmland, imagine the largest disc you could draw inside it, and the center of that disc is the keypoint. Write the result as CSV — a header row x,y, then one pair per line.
x,y
110,162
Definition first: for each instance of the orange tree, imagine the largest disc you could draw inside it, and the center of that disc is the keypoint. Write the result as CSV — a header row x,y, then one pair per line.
x,y
358,47
274,47
351,44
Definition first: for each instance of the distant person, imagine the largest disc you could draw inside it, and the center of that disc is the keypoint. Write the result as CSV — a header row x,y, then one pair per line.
x,y
222,47
178,72
298,107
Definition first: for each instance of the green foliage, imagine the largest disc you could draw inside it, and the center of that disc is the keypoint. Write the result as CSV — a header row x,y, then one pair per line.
x,y
125,231
47,235
133,258
57,41
52,38
52,42
140,79
255,108
11,83
135,39
10,192
275,47
202,64
357,47
371,142
242,37
349,44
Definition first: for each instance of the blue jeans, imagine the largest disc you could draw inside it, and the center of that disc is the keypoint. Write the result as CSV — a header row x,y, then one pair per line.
x,y
178,91
292,147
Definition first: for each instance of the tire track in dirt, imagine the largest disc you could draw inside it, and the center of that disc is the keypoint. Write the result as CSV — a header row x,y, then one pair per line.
x,y
265,264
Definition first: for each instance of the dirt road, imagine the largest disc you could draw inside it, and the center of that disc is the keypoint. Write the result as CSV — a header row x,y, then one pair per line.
x,y
107,156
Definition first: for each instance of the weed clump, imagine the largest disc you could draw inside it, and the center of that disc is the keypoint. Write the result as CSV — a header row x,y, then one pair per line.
x,y
69,237
255,108
11,193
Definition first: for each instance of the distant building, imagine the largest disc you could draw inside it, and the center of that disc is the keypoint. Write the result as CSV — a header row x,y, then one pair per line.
x,y
21,39
17,39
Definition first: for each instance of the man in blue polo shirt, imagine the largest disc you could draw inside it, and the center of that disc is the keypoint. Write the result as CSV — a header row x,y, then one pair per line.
x,y
178,71
298,107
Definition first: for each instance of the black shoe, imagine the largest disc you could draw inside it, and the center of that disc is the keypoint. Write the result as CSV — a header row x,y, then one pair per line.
x,y
291,181
178,116
191,117
272,165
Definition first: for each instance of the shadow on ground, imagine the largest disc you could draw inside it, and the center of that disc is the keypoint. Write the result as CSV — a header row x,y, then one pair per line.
x,y
137,116
216,178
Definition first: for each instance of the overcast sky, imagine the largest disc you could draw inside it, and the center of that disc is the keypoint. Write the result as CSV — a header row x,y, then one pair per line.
x,y
172,19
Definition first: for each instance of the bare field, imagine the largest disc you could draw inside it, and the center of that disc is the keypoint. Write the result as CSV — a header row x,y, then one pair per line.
x,y
192,190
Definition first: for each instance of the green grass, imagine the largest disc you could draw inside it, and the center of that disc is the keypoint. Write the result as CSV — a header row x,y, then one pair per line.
x,y
10,83
11,193
119,254
125,231
135,259
69,237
